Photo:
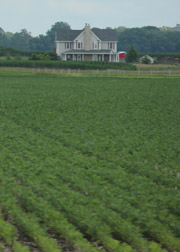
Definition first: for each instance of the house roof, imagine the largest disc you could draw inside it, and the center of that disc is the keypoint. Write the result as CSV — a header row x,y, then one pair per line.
x,y
67,35
102,34
105,34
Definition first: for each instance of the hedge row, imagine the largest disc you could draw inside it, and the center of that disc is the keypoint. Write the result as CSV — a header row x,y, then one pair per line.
x,y
161,55
4,51
85,65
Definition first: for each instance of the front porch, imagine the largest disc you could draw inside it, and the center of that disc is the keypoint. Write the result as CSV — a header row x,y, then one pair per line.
x,y
76,55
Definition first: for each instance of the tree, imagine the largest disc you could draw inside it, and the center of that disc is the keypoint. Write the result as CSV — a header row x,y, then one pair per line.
x,y
40,43
20,40
132,55
3,38
57,26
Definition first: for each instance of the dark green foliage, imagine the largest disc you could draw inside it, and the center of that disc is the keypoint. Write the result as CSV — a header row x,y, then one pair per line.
x,y
37,62
161,55
46,56
57,26
51,55
42,57
4,51
23,40
149,39
8,57
132,55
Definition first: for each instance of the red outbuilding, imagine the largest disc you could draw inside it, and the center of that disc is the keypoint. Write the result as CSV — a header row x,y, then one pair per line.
x,y
122,56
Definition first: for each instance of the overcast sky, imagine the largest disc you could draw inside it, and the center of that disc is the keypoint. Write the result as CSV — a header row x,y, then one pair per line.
x,y
37,16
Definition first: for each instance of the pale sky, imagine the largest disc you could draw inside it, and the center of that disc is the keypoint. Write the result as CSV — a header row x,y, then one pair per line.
x,y
37,16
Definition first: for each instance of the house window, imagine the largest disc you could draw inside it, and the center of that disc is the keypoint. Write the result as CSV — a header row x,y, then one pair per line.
x,y
79,45
68,45
94,45
110,45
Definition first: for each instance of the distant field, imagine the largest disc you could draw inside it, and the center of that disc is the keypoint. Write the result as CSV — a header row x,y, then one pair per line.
x,y
89,164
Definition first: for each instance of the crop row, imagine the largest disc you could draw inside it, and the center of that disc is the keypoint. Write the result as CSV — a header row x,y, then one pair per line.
x,y
78,162
38,187
66,65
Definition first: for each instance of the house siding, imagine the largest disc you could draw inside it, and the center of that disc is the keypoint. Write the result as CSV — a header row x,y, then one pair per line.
x,y
80,40
95,42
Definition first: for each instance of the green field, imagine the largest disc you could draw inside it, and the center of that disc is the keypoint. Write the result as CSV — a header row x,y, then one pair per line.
x,y
89,164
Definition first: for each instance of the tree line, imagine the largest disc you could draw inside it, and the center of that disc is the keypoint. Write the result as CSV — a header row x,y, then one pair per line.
x,y
149,39
146,39
24,41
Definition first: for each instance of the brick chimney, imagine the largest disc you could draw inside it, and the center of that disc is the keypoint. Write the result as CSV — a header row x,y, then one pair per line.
x,y
87,37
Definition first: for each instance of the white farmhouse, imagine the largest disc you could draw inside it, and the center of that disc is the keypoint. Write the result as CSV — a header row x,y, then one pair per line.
x,y
87,44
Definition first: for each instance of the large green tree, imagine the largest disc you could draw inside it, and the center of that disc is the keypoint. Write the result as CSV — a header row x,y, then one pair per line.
x,y
21,40
47,42
57,26
132,55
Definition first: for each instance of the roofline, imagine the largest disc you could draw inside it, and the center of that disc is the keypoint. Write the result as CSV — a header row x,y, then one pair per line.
x,y
64,41
111,52
96,36
109,40
78,36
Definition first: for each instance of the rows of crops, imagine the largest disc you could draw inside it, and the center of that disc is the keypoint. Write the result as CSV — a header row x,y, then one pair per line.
x,y
89,164
60,64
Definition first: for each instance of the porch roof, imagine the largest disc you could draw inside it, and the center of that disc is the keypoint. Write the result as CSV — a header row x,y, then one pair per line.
x,y
89,52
